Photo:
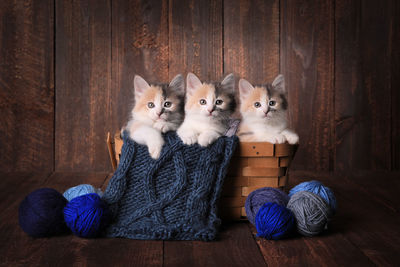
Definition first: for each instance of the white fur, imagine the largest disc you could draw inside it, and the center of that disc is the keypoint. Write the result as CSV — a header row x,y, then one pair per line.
x,y
149,136
264,131
197,128
291,136
264,126
202,126
146,128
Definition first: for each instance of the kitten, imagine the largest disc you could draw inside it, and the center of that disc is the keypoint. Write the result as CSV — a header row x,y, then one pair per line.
x,y
207,110
264,113
158,109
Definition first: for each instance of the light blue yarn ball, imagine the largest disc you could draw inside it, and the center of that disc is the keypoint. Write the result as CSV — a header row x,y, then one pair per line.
x,y
317,188
80,190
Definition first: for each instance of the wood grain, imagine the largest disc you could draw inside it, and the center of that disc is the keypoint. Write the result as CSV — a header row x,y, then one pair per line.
x,y
83,85
17,248
362,212
262,172
363,232
307,61
15,186
395,82
139,46
235,247
26,85
363,85
251,39
364,228
255,149
327,250
195,38
66,76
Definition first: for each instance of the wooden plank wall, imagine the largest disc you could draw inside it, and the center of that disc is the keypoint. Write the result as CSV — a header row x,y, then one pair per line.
x,y
363,84
83,84
340,59
26,85
307,61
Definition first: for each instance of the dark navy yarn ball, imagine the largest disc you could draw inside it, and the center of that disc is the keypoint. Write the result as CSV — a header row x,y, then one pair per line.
x,y
87,215
259,197
317,188
41,213
274,221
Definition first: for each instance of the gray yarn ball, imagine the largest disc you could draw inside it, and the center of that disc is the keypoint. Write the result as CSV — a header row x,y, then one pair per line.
x,y
311,211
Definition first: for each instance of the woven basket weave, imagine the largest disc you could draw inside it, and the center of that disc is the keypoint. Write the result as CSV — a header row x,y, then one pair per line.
x,y
253,166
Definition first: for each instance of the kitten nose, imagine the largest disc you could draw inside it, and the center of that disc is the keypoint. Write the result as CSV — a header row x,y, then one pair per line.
x,y
211,110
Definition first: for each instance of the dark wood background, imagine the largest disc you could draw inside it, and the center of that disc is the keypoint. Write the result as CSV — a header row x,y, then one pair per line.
x,y
66,71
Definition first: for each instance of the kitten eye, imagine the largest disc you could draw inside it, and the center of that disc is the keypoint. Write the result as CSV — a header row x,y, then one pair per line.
x,y
272,103
219,102
167,104
257,104
203,102
150,105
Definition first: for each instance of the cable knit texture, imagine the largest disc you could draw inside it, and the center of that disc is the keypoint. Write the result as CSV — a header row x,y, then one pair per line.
x,y
172,198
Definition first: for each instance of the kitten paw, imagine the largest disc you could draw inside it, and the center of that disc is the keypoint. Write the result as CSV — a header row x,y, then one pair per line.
x,y
188,138
275,139
155,148
168,127
280,139
207,138
292,138
159,125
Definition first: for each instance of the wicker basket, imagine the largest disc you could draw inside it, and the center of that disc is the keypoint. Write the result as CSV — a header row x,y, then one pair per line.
x,y
253,166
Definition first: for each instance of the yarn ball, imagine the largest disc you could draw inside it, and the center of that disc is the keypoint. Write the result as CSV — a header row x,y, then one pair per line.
x,y
86,215
318,188
259,197
41,213
80,190
311,211
274,221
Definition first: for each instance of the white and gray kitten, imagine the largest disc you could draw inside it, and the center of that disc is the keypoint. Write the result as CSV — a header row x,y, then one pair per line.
x,y
207,110
158,109
264,113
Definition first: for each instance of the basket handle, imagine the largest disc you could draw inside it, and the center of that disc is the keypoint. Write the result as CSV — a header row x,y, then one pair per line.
x,y
111,151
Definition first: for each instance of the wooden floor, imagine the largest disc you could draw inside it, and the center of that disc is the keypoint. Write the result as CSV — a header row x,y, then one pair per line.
x,y
364,232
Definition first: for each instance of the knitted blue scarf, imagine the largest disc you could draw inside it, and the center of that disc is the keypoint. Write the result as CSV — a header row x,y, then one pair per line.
x,y
172,198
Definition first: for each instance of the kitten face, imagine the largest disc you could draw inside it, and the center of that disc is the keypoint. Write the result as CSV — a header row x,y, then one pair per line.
x,y
210,100
159,103
267,102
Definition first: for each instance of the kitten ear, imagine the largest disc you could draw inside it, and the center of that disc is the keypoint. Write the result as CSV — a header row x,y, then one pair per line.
x,y
192,83
228,83
140,86
279,84
245,88
178,85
